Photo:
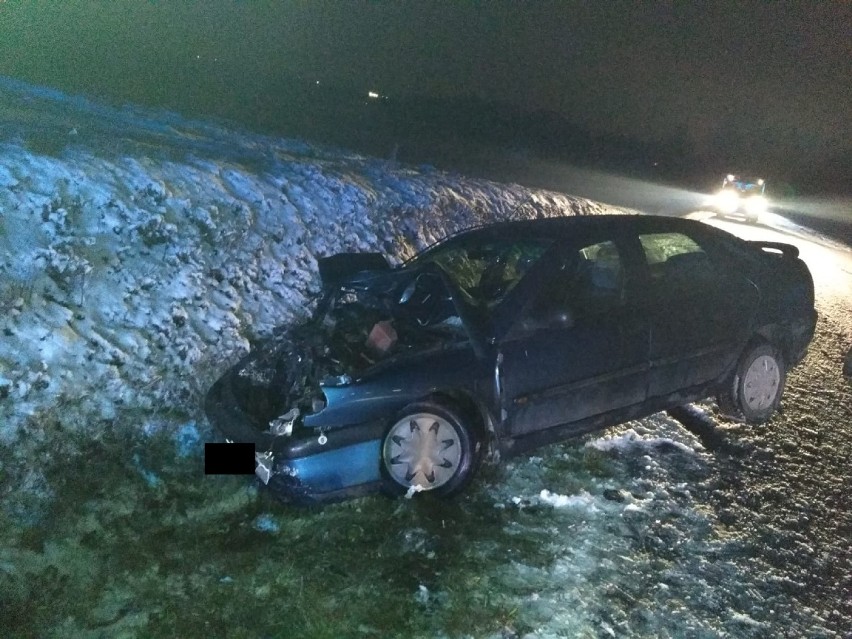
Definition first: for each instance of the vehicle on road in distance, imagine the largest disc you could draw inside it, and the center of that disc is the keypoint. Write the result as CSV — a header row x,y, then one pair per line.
x,y
507,337
742,196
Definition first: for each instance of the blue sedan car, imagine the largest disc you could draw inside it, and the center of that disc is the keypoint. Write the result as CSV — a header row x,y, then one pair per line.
x,y
508,337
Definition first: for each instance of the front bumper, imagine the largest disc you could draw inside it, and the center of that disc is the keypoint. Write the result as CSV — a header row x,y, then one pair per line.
x,y
308,466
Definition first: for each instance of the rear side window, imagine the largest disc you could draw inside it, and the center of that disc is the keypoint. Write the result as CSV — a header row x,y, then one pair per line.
x,y
659,247
675,258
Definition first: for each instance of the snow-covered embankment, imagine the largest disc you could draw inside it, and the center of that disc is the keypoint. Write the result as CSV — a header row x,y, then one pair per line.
x,y
140,252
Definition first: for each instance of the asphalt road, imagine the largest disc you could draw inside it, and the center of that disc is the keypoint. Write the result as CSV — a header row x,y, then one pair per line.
x,y
787,484
785,488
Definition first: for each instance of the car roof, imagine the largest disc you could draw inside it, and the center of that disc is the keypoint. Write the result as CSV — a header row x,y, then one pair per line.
x,y
577,226
568,226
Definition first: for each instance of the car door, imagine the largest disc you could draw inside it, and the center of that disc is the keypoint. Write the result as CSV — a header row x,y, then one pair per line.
x,y
577,348
699,308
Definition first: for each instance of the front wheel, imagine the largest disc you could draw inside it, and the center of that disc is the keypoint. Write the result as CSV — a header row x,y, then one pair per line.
x,y
429,447
756,387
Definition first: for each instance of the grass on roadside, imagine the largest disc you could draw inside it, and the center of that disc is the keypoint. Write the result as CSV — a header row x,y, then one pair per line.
x,y
122,537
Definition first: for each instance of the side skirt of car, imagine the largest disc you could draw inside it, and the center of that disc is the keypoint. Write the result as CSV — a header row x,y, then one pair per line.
x,y
510,447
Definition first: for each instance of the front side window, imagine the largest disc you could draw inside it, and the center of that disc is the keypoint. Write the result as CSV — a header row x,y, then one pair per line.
x,y
487,271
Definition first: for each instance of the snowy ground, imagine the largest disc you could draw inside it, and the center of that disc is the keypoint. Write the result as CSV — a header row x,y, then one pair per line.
x,y
139,255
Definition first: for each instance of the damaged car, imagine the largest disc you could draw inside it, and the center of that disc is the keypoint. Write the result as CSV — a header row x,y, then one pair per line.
x,y
508,337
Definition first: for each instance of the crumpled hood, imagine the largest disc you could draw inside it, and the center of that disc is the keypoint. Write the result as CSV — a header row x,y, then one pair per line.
x,y
336,269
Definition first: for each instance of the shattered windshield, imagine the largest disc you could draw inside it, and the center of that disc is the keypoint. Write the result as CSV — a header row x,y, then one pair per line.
x,y
486,271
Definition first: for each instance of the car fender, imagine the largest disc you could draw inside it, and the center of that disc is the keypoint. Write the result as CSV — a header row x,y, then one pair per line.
x,y
387,388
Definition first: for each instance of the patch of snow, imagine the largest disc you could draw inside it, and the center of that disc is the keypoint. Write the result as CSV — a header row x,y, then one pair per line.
x,y
630,440
188,439
150,477
422,595
583,500
266,523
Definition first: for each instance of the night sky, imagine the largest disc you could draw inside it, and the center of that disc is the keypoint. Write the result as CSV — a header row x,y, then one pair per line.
x,y
771,82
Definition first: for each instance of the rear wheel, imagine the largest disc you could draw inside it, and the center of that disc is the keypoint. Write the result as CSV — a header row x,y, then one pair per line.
x,y
756,387
429,447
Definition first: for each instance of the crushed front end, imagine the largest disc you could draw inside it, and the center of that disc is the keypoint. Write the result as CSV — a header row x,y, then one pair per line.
x,y
268,399
297,397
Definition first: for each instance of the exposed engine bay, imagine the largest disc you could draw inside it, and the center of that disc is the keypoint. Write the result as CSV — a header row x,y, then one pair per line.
x,y
373,317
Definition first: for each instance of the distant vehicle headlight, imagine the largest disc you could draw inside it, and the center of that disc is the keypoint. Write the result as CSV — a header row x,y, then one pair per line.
x,y
756,204
727,201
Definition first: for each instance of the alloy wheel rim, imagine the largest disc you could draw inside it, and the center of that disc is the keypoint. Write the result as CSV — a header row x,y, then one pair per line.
x,y
422,450
761,382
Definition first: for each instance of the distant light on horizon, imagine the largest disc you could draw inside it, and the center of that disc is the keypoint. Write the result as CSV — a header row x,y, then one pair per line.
x,y
372,95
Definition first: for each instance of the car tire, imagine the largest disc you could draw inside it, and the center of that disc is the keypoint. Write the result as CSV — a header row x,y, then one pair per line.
x,y
755,389
429,447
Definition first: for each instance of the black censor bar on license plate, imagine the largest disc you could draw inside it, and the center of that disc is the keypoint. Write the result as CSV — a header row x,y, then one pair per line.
x,y
229,459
